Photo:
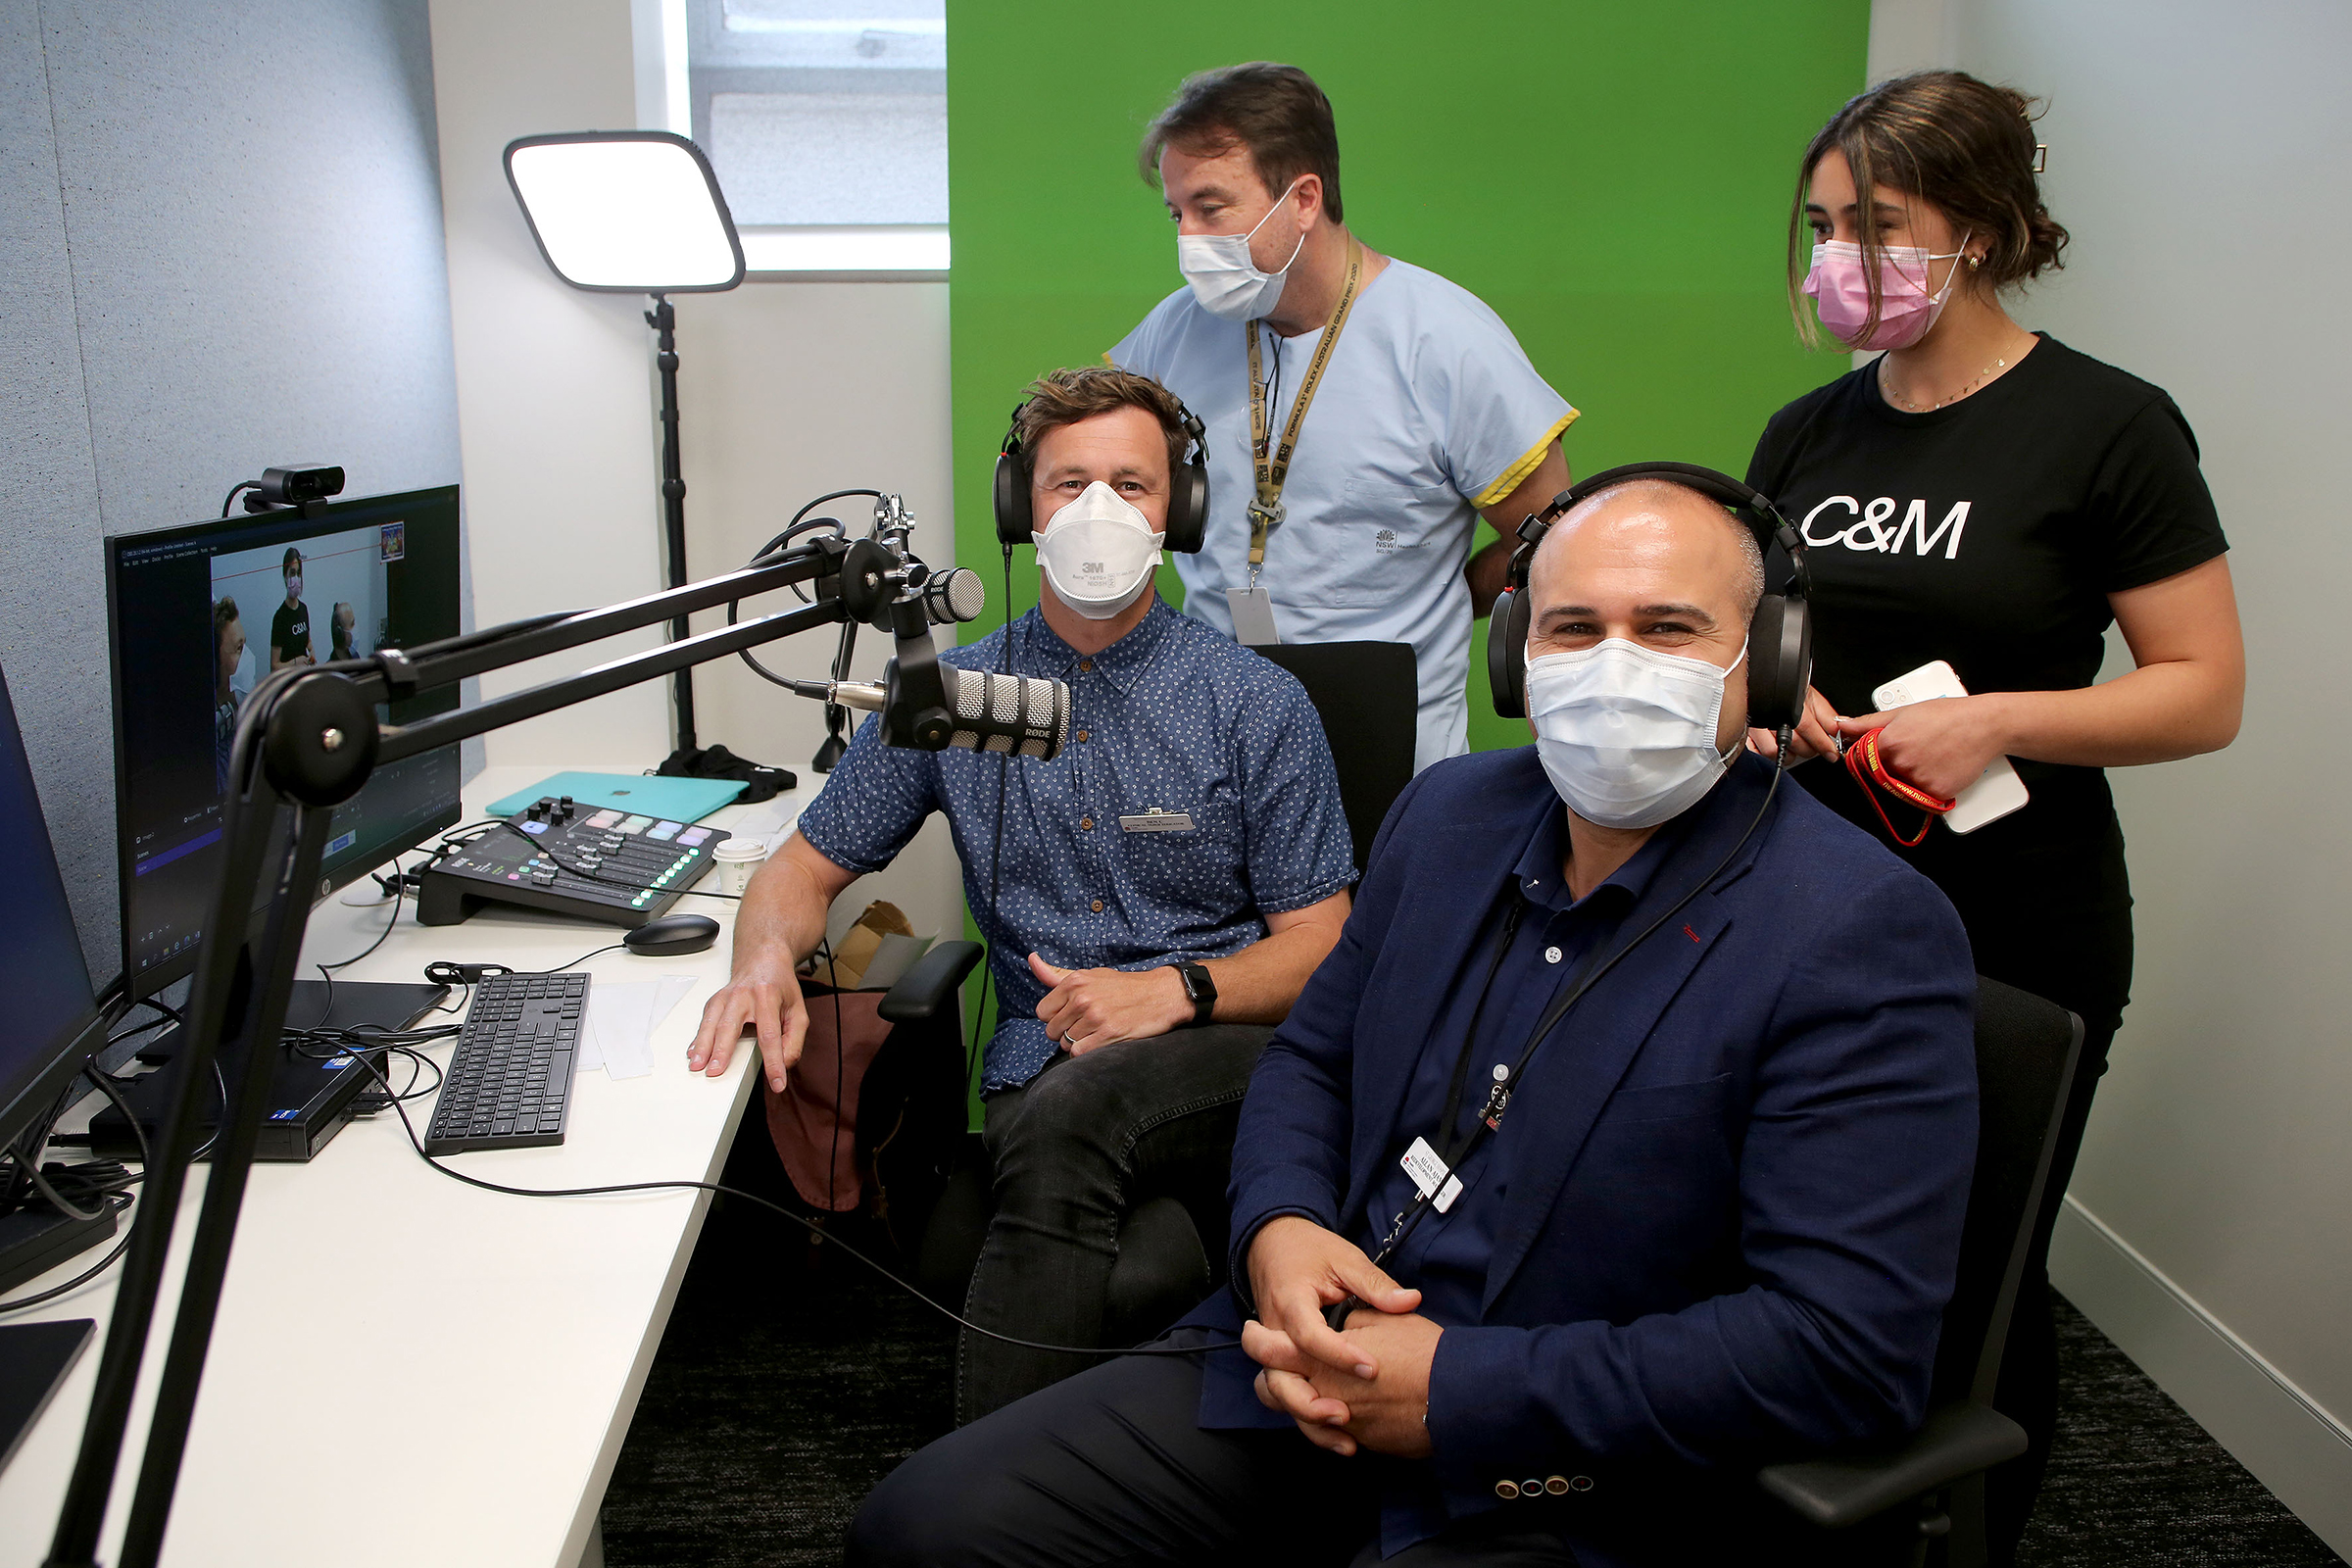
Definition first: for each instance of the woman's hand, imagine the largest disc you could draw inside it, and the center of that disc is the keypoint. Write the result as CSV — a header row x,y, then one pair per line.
x,y
1816,734
1943,745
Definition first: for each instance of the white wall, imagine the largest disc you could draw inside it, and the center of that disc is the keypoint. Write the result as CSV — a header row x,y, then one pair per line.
x,y
555,411
2196,154
786,390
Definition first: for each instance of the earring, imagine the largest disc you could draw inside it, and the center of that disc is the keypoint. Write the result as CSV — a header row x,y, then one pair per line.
x,y
1974,262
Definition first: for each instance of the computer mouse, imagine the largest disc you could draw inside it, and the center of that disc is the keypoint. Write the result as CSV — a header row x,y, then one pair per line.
x,y
671,935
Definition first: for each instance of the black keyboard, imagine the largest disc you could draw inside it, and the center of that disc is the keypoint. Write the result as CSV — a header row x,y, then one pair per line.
x,y
509,1083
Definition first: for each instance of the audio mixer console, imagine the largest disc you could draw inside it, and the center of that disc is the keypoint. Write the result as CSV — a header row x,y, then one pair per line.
x,y
605,865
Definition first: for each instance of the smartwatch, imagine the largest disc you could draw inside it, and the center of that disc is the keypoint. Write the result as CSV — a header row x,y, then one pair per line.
x,y
1199,988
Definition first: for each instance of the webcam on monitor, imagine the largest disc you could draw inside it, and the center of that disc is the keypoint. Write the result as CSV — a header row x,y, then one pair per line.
x,y
300,485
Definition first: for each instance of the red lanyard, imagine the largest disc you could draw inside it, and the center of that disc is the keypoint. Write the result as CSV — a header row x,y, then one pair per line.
x,y
1863,762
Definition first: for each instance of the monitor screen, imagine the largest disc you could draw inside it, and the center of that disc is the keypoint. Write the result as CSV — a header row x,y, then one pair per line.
x,y
50,1007
196,616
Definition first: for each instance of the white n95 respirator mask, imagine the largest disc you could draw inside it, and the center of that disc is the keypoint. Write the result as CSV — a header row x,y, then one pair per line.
x,y
1098,553
1224,279
1626,733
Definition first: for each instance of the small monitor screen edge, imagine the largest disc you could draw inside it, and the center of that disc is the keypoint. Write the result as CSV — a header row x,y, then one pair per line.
x,y
51,1024
360,573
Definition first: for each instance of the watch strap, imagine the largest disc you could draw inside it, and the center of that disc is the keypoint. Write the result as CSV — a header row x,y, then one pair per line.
x,y
1201,987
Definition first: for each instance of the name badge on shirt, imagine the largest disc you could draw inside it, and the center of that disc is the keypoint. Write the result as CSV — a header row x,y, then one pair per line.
x,y
1253,614
1428,1171
1157,820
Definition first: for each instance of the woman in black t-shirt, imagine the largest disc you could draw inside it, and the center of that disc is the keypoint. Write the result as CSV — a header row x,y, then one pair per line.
x,y
1989,497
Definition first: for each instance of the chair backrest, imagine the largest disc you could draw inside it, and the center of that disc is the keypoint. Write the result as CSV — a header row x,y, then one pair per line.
x,y
1368,695
2026,1052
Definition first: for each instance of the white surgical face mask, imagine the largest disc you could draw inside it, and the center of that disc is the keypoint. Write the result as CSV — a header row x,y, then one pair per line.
x,y
1626,733
1224,279
294,586
1098,552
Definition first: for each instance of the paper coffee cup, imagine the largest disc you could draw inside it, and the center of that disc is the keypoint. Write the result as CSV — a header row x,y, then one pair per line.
x,y
737,859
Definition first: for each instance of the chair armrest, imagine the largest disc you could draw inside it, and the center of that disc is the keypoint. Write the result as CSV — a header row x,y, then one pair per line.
x,y
930,982
1840,1489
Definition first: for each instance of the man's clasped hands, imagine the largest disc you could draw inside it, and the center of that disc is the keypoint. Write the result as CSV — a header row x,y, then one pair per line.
x,y
1367,1387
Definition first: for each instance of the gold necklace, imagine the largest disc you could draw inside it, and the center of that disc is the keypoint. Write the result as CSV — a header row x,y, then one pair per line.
x,y
1909,406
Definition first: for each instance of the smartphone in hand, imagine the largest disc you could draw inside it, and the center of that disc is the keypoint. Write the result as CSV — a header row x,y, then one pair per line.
x,y
1997,791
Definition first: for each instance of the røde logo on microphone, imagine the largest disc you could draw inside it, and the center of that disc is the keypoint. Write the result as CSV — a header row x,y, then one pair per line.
x,y
1843,521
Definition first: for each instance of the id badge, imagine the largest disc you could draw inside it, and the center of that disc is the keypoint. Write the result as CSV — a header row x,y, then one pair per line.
x,y
1428,1171
1252,613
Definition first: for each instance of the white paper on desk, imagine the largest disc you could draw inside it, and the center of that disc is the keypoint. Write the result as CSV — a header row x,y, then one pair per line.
x,y
622,1015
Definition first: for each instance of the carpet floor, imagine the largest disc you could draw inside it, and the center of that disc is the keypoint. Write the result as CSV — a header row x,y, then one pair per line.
x,y
790,1381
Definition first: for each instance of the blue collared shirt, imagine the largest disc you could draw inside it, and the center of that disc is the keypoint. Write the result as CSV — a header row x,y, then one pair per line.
x,y
1172,718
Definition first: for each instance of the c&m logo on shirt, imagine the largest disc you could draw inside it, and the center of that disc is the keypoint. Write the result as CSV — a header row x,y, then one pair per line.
x,y
1865,527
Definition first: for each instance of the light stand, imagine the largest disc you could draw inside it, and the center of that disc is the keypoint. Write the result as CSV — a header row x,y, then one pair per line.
x,y
307,740
664,319
640,212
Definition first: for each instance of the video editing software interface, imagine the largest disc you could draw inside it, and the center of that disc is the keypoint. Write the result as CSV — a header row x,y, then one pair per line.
x,y
197,616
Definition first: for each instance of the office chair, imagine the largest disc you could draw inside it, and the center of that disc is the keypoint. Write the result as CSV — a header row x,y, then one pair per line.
x,y
1368,697
2025,1053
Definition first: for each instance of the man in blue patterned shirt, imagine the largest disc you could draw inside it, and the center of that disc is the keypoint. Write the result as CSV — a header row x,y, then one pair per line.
x,y
1192,820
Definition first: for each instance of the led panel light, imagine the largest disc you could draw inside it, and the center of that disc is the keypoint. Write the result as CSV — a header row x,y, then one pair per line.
x,y
636,212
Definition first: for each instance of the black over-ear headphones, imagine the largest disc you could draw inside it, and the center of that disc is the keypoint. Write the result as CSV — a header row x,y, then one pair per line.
x,y
1779,635
1188,489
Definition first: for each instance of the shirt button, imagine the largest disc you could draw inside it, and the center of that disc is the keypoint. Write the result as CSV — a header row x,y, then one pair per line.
x,y
1551,955
1086,821
1507,1491
1096,906
1085,664
1082,737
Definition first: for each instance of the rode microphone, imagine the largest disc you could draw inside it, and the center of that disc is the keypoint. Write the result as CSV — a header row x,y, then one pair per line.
x,y
1017,715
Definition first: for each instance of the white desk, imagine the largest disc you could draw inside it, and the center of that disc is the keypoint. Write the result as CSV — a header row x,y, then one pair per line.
x,y
408,1370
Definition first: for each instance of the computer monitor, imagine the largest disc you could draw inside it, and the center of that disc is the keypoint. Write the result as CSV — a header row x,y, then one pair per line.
x,y
49,1024
195,617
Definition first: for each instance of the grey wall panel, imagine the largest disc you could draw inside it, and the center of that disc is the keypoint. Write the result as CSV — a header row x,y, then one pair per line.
x,y
52,604
223,249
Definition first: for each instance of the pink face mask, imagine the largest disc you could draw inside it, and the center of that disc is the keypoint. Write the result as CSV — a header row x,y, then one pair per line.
x,y
1841,290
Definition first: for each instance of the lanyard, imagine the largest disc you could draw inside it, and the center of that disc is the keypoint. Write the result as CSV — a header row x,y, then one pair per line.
x,y
1863,762
1273,468
1447,1136
1498,1097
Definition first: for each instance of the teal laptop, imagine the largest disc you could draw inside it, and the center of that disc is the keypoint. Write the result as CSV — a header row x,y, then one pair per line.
x,y
674,800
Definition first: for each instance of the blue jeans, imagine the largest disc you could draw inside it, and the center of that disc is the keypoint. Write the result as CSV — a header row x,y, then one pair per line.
x,y
1076,1151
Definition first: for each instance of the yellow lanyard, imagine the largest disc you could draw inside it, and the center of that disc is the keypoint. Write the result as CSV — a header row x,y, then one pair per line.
x,y
1273,468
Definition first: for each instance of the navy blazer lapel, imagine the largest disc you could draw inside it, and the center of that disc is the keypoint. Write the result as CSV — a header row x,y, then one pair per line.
x,y
1578,1067
1441,917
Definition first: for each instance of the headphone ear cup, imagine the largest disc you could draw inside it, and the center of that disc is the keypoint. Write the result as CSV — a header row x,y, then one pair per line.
x,y
1014,525
1780,661
1188,508
1506,653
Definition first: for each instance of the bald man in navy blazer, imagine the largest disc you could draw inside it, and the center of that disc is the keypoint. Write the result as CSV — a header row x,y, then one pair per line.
x,y
1716,1222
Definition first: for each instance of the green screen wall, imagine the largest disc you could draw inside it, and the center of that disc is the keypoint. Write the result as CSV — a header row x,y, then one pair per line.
x,y
1613,179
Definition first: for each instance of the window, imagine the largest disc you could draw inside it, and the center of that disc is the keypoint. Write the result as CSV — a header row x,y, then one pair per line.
x,y
827,123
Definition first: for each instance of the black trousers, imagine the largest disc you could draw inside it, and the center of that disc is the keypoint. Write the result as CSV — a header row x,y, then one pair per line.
x,y
1074,1150
1109,1469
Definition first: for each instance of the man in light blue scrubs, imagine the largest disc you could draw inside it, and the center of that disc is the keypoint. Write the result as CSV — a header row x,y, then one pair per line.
x,y
1361,412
